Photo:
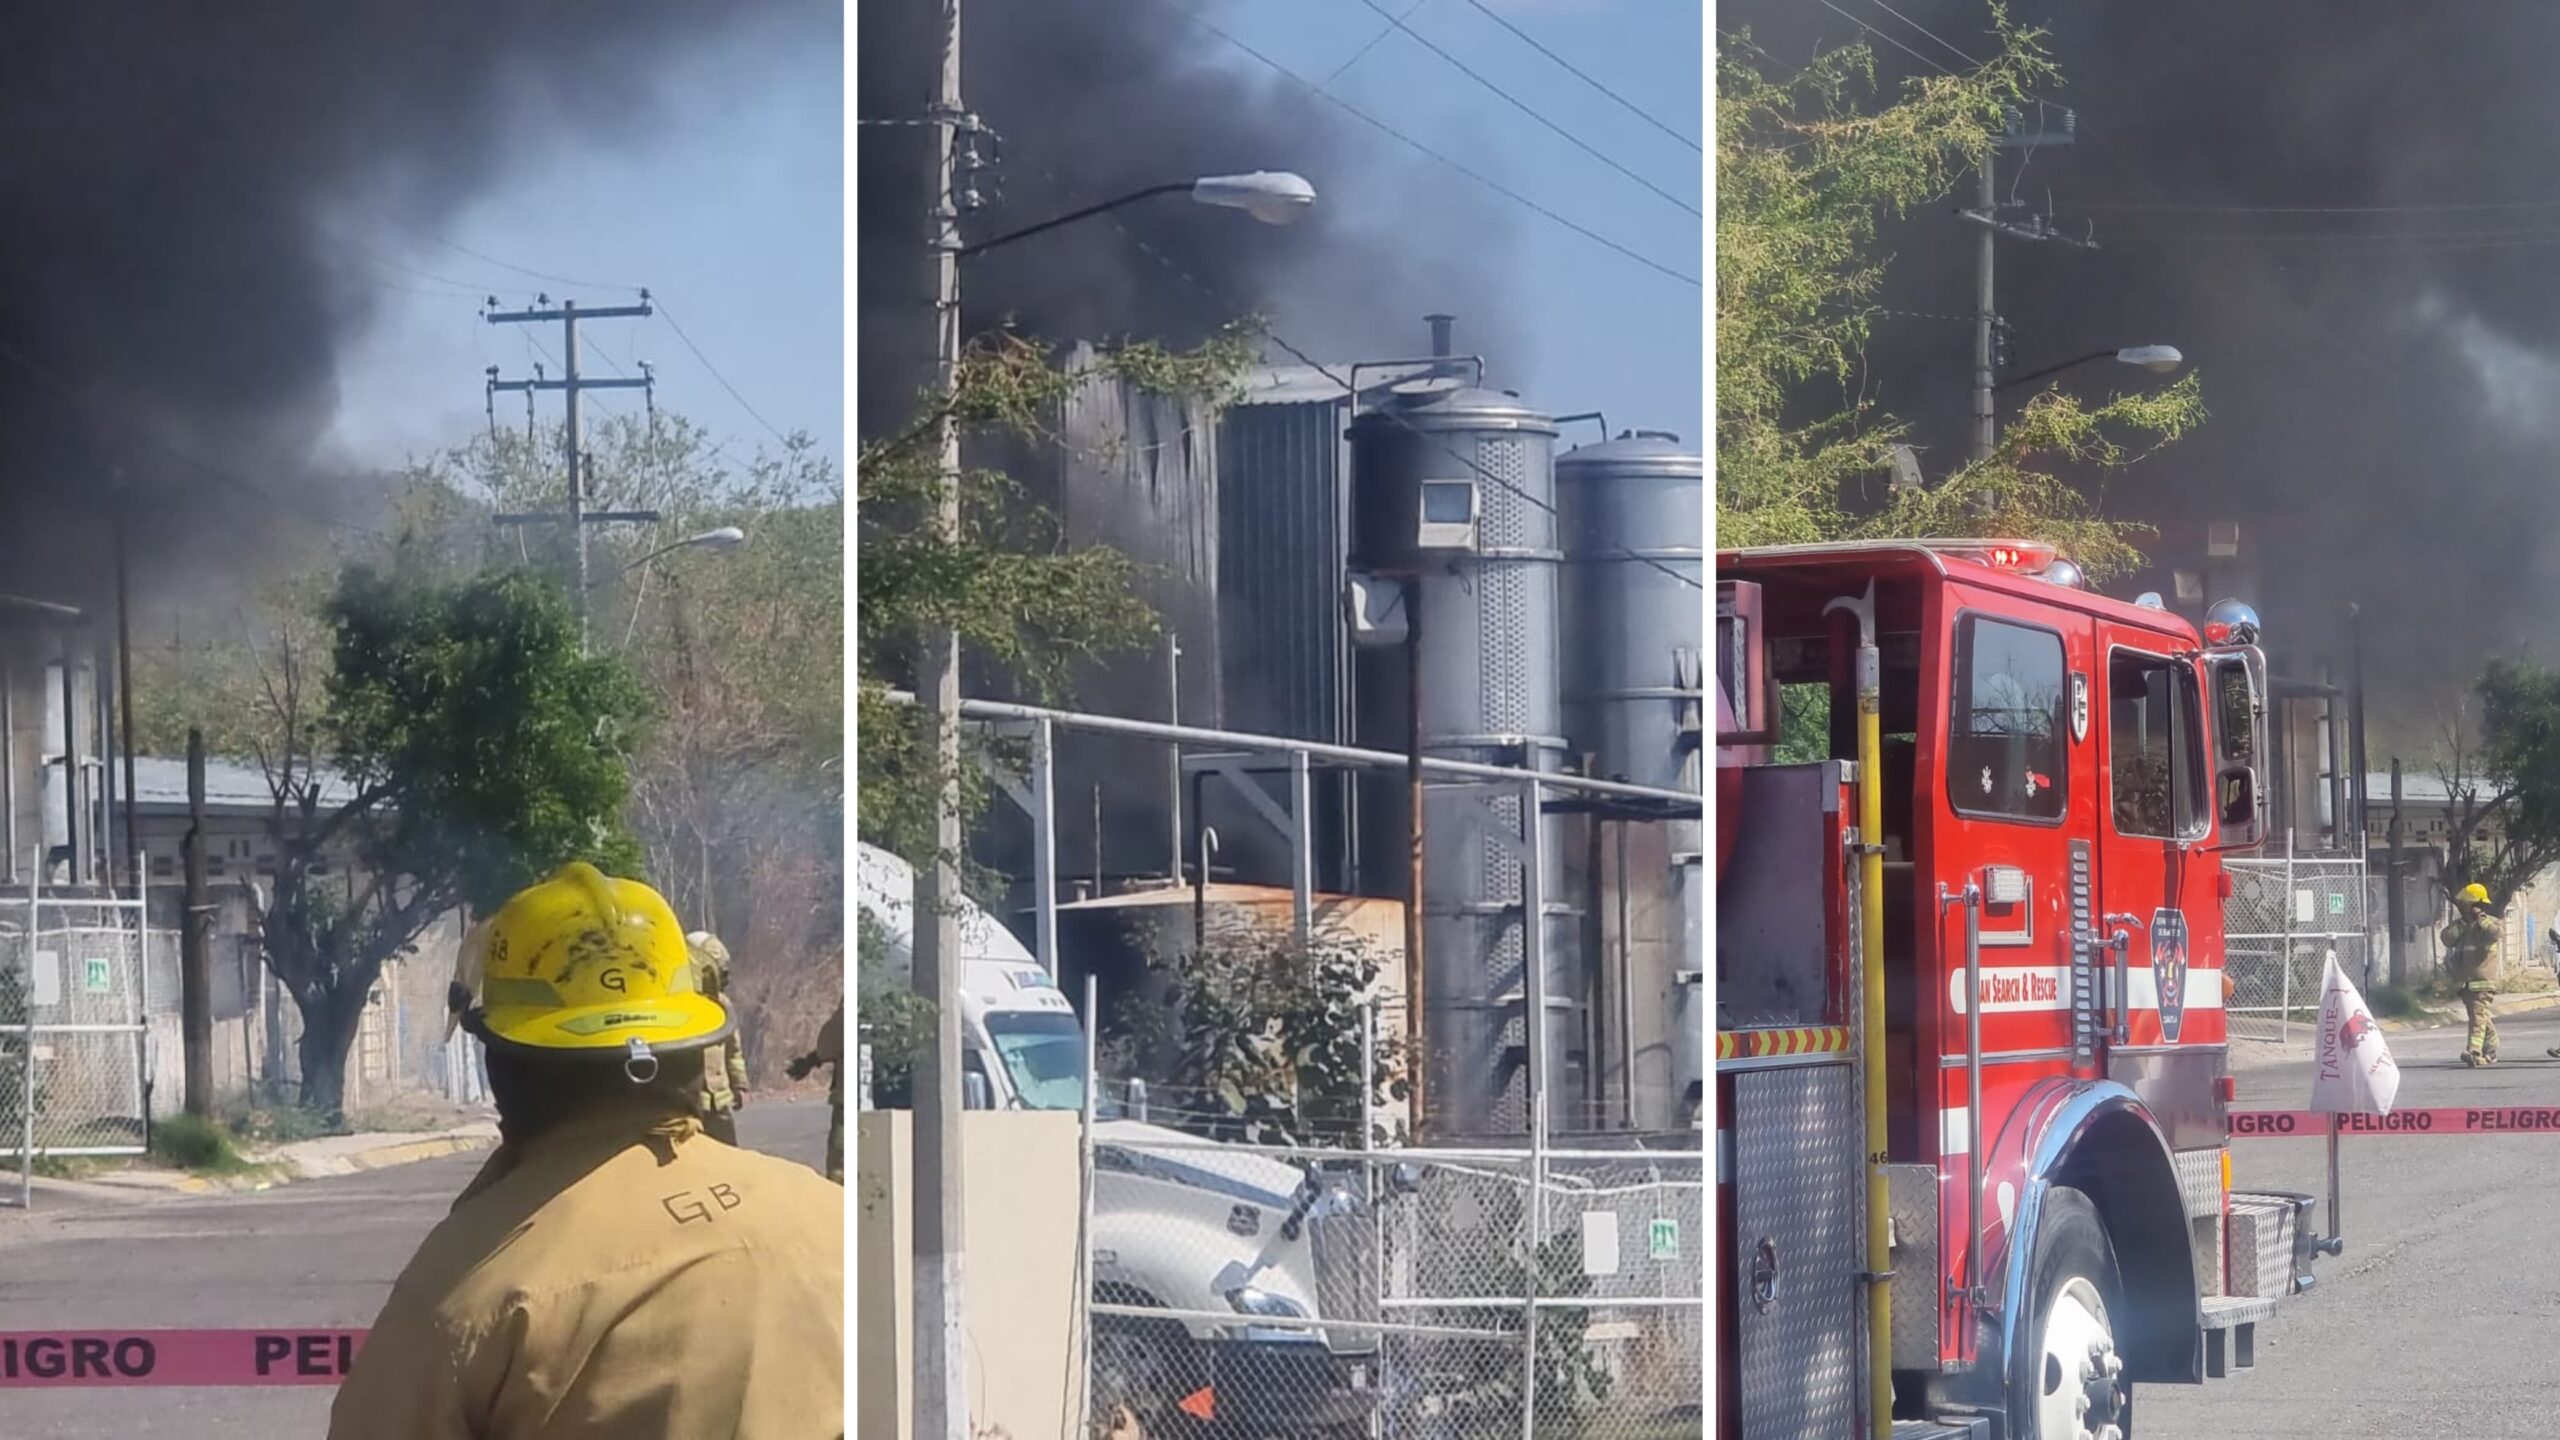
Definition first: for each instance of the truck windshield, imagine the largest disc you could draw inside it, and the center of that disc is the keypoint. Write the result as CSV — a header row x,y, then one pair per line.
x,y
1043,1054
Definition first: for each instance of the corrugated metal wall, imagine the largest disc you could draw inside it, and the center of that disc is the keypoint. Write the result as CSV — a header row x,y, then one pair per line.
x,y
1283,473
1136,472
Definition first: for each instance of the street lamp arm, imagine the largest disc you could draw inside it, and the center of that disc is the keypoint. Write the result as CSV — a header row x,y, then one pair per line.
x,y
2159,359
1072,216
2034,375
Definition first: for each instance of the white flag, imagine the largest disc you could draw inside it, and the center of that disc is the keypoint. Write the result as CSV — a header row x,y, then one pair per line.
x,y
2353,1073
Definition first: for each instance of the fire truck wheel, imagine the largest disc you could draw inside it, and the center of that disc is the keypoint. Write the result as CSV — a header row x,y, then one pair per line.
x,y
2067,1381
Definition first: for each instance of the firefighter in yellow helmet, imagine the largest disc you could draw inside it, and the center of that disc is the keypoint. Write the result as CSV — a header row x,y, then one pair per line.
x,y
610,1272
2472,963
724,1066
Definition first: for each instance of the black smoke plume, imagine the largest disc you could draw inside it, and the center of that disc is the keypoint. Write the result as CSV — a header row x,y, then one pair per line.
x,y
2384,385
193,200
1094,99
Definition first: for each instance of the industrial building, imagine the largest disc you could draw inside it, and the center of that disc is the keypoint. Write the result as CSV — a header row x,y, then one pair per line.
x,y
1390,552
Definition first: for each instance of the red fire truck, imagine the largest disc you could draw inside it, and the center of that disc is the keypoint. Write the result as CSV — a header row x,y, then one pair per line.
x,y
1973,1156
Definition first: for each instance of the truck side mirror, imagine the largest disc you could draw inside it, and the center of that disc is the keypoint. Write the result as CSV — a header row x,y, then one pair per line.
x,y
976,1093
2237,677
2238,788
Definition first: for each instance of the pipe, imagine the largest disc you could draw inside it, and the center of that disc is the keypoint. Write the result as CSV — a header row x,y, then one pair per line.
x,y
1418,1061
9,760
1678,804
1879,1247
1206,842
1441,326
1626,989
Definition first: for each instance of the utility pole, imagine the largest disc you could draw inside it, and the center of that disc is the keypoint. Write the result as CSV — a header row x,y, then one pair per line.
x,y
1987,325
2395,904
2355,724
941,1333
124,688
195,940
1985,423
571,385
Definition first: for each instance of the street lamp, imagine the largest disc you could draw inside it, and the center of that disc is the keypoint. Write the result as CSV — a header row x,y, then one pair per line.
x,y
1274,197
2158,359
727,537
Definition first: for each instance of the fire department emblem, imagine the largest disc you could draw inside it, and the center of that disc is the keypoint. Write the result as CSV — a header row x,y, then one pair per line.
x,y
2169,969
2079,708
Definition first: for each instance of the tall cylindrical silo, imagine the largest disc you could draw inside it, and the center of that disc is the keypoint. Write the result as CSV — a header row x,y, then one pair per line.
x,y
1453,493
1633,520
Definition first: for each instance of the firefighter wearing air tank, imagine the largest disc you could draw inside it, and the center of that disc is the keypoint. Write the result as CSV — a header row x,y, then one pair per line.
x,y
2471,962
610,1272
724,1066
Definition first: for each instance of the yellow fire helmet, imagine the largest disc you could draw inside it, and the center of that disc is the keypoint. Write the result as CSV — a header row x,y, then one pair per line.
x,y
583,964
2476,894
712,956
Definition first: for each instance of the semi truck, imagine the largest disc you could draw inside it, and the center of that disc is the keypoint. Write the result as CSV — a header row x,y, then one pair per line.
x,y
1238,1250
1971,1073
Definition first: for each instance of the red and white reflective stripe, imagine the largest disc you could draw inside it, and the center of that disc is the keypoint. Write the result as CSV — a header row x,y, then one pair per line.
x,y
2204,989
223,1359
2018,989
2444,1120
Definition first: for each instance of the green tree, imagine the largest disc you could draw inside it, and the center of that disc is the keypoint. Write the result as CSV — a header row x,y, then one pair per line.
x,y
446,736
1257,1038
2500,765
737,795
1803,178
737,792
1028,606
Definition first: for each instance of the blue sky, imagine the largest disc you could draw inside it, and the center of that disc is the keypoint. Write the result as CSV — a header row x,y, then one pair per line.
x,y
1599,331
730,208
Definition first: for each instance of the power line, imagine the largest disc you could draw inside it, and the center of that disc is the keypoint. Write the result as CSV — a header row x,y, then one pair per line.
x,y
1925,30
669,316
1525,108
1891,40
1362,53
1578,73
1392,133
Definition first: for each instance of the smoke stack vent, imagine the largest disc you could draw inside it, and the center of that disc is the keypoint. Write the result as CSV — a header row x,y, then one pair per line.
x,y
1440,325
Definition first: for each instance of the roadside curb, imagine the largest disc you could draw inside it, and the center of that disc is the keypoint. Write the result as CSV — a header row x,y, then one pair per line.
x,y
318,1160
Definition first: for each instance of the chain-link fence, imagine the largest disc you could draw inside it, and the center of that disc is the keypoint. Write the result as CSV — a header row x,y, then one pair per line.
x,y
1282,1290
75,988
2285,917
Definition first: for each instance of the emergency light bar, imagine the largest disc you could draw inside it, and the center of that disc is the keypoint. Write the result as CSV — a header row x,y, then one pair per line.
x,y
2023,557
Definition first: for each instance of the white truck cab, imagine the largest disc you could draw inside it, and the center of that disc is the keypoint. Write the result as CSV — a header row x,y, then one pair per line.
x,y
1180,1223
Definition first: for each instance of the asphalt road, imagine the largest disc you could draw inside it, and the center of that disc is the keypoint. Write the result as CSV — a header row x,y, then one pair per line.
x,y
2443,1313
318,1254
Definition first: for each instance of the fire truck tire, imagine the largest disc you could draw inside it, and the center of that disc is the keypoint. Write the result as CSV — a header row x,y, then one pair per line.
x,y
2067,1380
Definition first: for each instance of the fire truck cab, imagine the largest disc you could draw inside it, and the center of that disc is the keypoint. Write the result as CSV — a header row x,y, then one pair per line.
x,y
2049,780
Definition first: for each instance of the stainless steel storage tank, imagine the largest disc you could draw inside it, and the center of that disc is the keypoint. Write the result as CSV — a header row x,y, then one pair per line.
x,y
1632,513
1453,491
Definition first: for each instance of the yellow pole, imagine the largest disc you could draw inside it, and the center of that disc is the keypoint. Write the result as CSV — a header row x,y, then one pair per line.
x,y
1871,1018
